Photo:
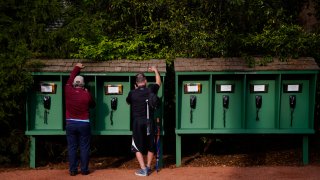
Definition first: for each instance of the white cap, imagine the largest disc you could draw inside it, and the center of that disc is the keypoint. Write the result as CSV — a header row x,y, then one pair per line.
x,y
78,81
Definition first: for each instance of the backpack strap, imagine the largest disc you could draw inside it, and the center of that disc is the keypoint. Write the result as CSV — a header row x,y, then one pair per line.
x,y
147,102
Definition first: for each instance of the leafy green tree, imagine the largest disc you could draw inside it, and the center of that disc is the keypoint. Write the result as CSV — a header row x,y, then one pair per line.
x,y
193,28
14,83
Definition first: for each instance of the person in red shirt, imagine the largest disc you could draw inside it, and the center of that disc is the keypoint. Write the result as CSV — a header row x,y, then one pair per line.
x,y
78,101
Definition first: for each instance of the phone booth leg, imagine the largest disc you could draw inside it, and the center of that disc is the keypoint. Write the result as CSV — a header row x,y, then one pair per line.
x,y
161,153
178,150
305,150
32,152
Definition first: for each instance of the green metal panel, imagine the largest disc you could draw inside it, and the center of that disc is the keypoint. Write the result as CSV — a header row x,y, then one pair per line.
x,y
228,117
38,118
265,117
312,102
159,112
32,152
199,117
178,150
300,115
244,131
91,86
106,118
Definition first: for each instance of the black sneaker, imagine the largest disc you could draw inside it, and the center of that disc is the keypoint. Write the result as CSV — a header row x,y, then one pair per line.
x,y
148,170
73,173
85,172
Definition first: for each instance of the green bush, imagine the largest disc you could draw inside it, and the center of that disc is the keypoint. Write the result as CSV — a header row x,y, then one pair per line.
x,y
14,83
287,41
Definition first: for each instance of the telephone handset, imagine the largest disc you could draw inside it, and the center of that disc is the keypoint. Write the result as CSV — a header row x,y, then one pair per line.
x,y
258,102
258,106
46,105
114,104
47,102
225,101
193,101
193,104
292,103
225,104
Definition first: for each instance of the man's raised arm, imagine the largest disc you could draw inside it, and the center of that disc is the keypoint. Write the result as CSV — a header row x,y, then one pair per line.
x,y
74,73
158,78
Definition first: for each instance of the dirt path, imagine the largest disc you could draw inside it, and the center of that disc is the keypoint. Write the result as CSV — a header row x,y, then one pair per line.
x,y
185,173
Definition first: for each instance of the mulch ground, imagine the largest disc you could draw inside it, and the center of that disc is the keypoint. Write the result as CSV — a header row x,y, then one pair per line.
x,y
223,158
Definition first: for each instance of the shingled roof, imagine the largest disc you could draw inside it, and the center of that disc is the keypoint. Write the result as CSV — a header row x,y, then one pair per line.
x,y
66,65
239,64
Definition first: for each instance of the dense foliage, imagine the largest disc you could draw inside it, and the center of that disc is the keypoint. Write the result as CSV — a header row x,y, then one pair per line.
x,y
163,29
140,29
137,29
14,83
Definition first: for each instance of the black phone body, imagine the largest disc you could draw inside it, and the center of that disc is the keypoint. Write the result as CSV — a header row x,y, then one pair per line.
x,y
114,103
258,101
193,101
47,102
225,101
292,101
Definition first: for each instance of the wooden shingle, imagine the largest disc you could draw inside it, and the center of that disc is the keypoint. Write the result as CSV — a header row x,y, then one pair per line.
x,y
239,64
66,65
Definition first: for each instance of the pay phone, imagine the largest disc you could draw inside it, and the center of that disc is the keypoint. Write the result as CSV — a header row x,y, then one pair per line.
x,y
292,102
114,105
46,105
47,102
225,100
225,104
258,105
193,103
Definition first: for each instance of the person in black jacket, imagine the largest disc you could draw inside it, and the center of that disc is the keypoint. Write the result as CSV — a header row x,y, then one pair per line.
x,y
143,139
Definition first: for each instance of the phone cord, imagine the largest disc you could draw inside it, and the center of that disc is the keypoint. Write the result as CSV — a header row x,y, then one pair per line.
x,y
257,117
191,115
291,116
111,117
224,117
46,116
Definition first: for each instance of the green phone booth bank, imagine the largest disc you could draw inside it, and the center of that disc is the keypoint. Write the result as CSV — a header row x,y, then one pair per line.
x,y
109,82
225,96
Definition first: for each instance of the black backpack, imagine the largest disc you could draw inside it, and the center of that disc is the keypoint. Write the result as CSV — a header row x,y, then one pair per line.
x,y
154,101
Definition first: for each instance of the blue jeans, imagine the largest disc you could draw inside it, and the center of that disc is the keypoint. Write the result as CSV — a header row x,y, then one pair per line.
x,y
78,134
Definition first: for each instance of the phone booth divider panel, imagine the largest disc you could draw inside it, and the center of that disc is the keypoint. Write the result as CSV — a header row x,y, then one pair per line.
x,y
113,112
91,86
294,104
195,102
227,103
45,104
261,100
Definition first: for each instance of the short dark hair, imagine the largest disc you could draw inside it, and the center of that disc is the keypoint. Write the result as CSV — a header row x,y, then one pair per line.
x,y
140,77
